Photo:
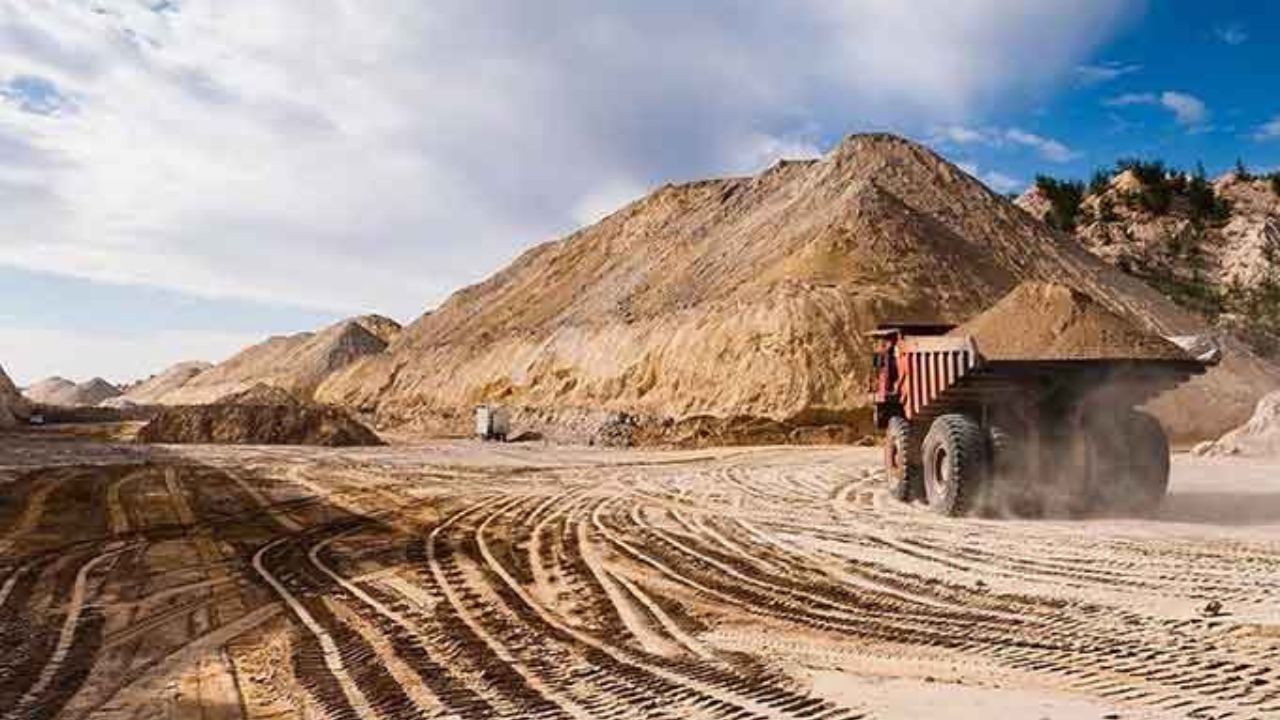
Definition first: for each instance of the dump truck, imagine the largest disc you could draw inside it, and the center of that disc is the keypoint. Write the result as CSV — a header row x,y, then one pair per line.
x,y
966,433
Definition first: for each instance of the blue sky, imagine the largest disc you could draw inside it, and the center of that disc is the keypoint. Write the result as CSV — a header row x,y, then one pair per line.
x,y
182,178
1215,61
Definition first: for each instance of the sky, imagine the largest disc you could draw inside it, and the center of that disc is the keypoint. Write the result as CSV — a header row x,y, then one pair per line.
x,y
180,178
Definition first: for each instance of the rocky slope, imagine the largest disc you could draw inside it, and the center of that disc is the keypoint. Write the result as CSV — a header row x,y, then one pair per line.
x,y
746,298
296,363
1222,262
12,405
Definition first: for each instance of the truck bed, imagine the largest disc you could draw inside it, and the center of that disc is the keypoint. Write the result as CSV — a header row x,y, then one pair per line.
x,y
942,374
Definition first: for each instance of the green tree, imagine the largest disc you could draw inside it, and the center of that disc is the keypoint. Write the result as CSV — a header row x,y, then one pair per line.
x,y
1100,181
1064,198
1242,171
1156,193
1204,201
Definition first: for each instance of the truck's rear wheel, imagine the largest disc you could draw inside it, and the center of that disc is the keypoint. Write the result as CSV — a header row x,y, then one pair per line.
x,y
955,464
1129,463
903,475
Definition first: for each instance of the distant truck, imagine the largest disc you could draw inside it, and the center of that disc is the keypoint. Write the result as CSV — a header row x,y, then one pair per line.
x,y
965,433
492,423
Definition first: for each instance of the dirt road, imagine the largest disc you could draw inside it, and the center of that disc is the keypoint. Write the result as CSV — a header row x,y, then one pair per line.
x,y
457,580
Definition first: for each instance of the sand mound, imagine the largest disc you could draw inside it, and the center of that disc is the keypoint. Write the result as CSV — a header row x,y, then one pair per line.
x,y
296,363
1044,321
12,405
47,391
58,391
261,394
1260,437
154,388
749,297
257,425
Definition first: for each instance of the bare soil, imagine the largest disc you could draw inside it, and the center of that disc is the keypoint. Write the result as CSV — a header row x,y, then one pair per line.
x,y
472,581
257,424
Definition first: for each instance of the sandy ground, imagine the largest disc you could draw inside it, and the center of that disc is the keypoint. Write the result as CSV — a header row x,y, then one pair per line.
x,y
470,581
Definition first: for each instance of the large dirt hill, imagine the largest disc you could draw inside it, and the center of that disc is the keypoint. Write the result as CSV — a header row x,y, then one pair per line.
x,y
156,387
296,363
1225,266
60,392
748,297
12,405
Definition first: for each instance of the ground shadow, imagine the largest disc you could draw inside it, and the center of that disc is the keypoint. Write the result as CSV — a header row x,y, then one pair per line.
x,y
1221,508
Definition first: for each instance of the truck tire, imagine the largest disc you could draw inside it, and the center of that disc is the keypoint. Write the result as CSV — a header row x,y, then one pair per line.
x,y
1130,465
902,474
955,464
1148,465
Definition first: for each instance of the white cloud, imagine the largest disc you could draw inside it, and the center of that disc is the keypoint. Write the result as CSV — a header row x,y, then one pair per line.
x,y
1187,109
357,155
603,200
761,151
1001,183
1051,149
1269,130
962,135
30,355
1104,73
1233,34
1132,99
1048,148
995,180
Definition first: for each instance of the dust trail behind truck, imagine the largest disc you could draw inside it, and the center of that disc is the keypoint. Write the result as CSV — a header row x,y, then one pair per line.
x,y
1030,407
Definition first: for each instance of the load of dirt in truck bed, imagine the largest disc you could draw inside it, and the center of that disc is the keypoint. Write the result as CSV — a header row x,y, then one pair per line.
x,y
1258,438
1045,321
261,415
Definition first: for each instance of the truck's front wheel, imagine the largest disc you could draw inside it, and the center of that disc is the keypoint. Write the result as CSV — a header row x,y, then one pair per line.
x,y
955,464
903,475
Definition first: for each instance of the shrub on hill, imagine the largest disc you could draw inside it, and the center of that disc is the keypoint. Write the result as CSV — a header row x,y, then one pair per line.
x,y
1064,198
1156,191
1205,203
1100,181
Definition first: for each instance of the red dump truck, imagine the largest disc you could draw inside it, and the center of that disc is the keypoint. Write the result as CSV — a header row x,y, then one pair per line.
x,y
966,433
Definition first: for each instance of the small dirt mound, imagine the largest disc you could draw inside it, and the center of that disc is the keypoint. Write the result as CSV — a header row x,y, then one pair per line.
x,y
261,394
258,424
1260,437
1045,321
